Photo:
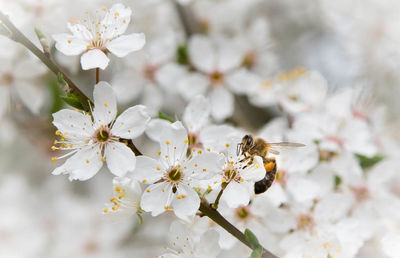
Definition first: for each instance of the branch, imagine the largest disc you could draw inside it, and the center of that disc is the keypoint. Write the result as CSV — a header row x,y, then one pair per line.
x,y
188,21
17,36
215,216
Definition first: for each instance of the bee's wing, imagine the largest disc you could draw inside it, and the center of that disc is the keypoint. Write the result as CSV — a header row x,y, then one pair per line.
x,y
274,147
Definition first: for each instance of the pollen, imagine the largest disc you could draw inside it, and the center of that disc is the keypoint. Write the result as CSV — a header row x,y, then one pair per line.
x,y
103,8
241,179
195,165
199,151
69,41
117,189
166,207
54,159
223,180
116,14
53,148
112,199
180,196
204,170
58,132
208,149
144,181
209,187
166,156
87,161
129,130
167,142
123,21
227,145
159,153
148,190
106,104
105,210
186,141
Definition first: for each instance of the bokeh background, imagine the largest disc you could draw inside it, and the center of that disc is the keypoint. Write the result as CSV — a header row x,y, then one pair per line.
x,y
351,43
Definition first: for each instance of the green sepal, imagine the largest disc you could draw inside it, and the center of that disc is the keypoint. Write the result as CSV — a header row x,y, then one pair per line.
x,y
338,180
182,56
368,162
251,238
165,117
257,253
73,101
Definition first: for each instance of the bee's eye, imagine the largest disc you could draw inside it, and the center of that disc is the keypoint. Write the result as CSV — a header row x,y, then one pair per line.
x,y
249,140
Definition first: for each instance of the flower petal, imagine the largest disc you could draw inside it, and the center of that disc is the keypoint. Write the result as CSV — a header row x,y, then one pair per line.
x,y
197,113
84,164
168,75
131,123
105,104
156,198
185,202
192,85
126,44
120,159
229,56
116,20
80,31
235,195
32,95
221,103
147,170
94,58
205,165
173,144
73,124
155,128
255,172
70,45
29,69
202,53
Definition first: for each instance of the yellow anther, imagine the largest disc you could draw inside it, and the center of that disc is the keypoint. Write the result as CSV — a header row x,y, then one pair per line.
x,y
257,166
129,131
103,159
159,153
123,21
116,14
118,189
199,151
158,168
223,180
58,132
166,156
166,207
106,104
162,190
55,142
208,149
167,142
53,148
241,179
227,145
209,187
69,41
54,159
112,199
186,141
87,161
198,188
148,190
195,165
103,8
114,208
144,181
105,210
204,170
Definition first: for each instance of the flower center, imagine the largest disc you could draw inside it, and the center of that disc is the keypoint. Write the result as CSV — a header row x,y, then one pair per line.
x,y
7,79
361,193
103,134
149,72
242,212
216,77
174,175
249,60
304,222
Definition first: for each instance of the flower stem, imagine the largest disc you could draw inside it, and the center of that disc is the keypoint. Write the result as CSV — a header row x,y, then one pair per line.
x,y
215,216
17,36
187,19
216,202
97,75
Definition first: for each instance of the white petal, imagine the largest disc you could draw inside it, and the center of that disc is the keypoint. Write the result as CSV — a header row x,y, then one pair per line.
x,y
29,69
243,82
235,195
228,57
84,164
156,197
80,31
168,75
94,58
105,104
126,44
4,100
32,95
185,202
202,53
127,87
155,128
192,85
197,113
180,237
208,245
73,124
391,244
173,144
216,137
255,172
131,123
205,165
117,20
147,170
222,103
70,45
120,159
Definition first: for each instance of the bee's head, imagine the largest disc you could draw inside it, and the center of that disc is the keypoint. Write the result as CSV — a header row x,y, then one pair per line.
x,y
247,142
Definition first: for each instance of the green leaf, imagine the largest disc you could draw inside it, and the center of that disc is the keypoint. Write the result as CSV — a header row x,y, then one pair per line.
x,y
338,180
72,100
182,56
165,117
251,238
55,96
368,162
257,253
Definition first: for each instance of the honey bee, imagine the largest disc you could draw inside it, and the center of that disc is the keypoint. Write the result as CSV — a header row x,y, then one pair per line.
x,y
251,147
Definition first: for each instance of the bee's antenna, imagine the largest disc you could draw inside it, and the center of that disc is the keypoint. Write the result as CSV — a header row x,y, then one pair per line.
x,y
238,147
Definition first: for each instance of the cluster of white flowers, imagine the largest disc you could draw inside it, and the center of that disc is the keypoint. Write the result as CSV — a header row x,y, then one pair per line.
x,y
169,121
